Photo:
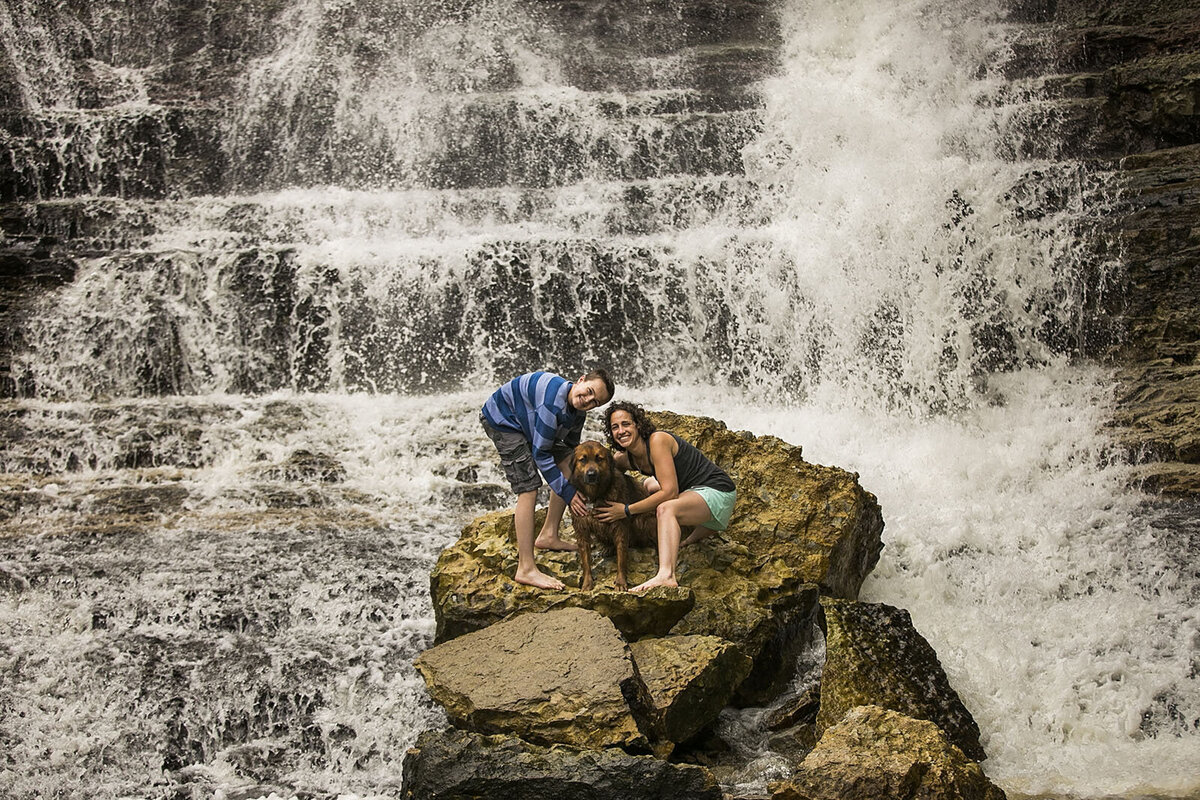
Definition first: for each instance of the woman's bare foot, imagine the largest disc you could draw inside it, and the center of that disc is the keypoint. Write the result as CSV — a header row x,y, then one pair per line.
x,y
657,580
547,542
539,580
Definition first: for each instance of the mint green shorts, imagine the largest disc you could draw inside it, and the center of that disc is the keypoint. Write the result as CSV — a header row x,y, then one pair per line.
x,y
720,505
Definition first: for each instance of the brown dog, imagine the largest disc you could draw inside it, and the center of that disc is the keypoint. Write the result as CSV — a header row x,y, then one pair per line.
x,y
597,478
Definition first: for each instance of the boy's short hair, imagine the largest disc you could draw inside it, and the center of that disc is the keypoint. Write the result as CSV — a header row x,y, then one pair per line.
x,y
602,375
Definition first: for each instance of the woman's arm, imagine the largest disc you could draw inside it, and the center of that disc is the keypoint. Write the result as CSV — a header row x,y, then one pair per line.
x,y
662,455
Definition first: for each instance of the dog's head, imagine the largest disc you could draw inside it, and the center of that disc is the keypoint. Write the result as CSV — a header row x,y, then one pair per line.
x,y
592,468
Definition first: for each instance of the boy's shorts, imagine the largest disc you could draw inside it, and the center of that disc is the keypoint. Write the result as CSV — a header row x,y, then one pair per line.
x,y
720,505
516,456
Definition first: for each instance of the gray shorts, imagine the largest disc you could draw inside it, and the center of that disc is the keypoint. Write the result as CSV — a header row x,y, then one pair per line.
x,y
516,456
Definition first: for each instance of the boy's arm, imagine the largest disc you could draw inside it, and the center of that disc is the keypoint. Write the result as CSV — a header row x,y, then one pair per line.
x,y
544,430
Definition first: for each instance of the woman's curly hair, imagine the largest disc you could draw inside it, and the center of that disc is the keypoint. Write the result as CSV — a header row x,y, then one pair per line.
x,y
643,424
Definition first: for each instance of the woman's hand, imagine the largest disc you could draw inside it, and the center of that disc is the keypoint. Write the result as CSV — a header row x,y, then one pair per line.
x,y
609,512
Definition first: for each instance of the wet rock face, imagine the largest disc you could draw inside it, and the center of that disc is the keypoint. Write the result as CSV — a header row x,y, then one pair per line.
x,y
114,116
874,753
1126,78
1159,228
458,765
874,656
305,465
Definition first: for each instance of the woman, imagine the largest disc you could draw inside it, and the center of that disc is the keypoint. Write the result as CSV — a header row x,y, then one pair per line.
x,y
686,489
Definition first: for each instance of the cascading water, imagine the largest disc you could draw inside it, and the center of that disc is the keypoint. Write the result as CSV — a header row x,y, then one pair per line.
x,y
249,421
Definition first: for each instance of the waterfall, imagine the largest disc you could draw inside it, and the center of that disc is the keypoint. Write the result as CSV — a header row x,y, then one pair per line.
x,y
245,420
847,222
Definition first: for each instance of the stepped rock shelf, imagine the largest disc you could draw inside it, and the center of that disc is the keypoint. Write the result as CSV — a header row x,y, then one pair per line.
x,y
607,694
178,148
1122,80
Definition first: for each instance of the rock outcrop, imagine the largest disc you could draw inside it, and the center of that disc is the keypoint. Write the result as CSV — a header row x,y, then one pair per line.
x,y
876,753
796,527
472,586
458,765
572,685
1123,80
874,656
814,519
688,680
566,677
561,677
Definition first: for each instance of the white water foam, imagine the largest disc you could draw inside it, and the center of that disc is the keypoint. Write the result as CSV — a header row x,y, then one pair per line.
x,y
1009,535
1011,538
178,624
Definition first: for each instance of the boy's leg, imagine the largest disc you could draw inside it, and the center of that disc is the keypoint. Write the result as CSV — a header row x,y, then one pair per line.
x,y
527,569
549,538
517,462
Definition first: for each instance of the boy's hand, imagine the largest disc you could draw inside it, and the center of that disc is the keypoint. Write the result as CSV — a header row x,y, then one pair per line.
x,y
579,505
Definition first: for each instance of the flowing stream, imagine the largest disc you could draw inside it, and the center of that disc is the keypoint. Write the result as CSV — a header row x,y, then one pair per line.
x,y
248,424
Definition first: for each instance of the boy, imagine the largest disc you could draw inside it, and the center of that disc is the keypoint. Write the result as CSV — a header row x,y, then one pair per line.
x,y
535,421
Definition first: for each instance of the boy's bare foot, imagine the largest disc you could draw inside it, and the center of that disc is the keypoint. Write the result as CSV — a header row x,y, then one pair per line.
x,y
539,580
657,580
547,542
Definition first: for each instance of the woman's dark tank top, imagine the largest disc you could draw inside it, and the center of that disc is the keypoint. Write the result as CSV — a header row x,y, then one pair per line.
x,y
692,469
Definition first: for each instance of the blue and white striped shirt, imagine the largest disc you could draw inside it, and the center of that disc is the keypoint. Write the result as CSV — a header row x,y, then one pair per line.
x,y
537,405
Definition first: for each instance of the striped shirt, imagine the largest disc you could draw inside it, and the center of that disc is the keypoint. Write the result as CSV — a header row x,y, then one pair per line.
x,y
537,405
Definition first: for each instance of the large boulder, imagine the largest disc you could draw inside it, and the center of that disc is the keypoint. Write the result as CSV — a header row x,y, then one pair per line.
x,y
459,765
878,754
796,527
817,520
688,679
874,656
563,677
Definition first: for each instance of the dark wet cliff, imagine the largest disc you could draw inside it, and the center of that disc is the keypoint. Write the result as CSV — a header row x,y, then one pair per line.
x,y
1126,78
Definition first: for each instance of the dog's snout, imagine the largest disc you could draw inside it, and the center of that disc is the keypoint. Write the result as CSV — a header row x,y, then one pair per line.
x,y
591,474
